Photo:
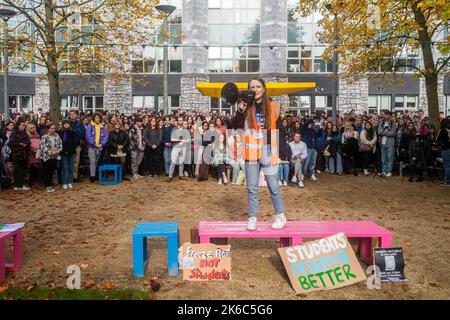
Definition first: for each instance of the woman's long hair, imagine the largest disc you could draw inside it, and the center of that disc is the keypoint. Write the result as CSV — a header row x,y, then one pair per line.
x,y
264,106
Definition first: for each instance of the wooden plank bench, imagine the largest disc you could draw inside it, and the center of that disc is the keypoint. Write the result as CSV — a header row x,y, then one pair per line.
x,y
16,264
294,231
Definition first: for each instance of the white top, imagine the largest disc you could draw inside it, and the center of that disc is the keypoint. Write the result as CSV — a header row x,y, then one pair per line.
x,y
299,149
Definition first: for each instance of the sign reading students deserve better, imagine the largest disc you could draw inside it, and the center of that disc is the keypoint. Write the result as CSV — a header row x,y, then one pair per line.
x,y
324,264
206,262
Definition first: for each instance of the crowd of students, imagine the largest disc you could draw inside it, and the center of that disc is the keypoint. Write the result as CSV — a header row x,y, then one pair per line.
x,y
33,149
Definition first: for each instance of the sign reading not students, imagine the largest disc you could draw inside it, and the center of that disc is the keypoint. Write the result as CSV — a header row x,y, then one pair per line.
x,y
206,262
324,264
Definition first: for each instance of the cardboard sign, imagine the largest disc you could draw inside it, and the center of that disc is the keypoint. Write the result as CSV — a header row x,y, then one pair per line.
x,y
206,262
391,264
324,264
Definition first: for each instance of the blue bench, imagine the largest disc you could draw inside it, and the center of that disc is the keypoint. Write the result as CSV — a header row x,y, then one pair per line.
x,y
154,229
117,168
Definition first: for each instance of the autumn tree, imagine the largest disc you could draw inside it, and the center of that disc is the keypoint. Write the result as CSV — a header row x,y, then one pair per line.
x,y
81,36
373,35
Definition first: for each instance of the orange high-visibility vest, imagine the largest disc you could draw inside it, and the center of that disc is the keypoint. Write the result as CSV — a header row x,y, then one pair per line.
x,y
254,139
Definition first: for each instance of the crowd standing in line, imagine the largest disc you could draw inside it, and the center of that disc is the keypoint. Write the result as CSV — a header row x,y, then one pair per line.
x,y
148,143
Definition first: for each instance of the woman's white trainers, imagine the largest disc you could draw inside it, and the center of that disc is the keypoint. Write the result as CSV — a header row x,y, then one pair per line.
x,y
279,222
251,224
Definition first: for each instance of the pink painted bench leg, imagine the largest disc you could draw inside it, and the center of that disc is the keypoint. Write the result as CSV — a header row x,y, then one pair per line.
x,y
204,239
2,260
386,241
296,241
366,251
17,256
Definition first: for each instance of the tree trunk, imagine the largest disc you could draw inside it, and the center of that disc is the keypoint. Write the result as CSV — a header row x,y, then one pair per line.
x,y
430,73
55,101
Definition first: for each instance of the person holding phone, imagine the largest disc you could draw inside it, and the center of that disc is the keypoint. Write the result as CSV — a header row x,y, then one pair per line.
x,y
261,120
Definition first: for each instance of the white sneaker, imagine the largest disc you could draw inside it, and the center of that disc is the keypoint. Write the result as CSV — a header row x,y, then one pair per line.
x,y
49,190
294,179
318,171
279,222
285,183
186,174
220,181
389,174
251,224
300,184
225,180
17,189
25,188
313,178
280,183
70,186
366,172
65,187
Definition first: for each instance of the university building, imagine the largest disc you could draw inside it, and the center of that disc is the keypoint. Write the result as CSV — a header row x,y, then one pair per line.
x,y
222,41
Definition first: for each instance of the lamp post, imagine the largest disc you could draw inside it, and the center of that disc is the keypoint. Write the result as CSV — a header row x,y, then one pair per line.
x,y
6,14
335,62
167,10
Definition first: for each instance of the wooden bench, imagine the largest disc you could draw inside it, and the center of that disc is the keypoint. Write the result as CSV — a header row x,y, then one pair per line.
x,y
16,264
294,231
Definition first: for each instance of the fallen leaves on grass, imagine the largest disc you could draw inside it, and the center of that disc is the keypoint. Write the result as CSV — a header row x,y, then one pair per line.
x,y
56,253
155,285
31,286
4,287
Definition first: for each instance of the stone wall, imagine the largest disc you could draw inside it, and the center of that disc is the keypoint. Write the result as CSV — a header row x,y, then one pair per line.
x,y
273,33
42,96
190,97
354,95
423,103
118,94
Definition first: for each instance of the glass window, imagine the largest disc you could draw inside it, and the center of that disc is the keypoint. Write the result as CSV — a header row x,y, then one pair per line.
x,y
293,34
253,66
175,66
215,104
293,103
306,65
373,102
399,102
385,102
447,111
138,102
411,102
305,102
293,65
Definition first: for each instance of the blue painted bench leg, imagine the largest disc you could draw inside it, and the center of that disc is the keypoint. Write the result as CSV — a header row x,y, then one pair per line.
x,y
100,176
173,255
140,255
120,173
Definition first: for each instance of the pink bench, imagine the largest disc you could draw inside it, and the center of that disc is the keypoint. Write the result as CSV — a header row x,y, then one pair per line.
x,y
16,265
294,231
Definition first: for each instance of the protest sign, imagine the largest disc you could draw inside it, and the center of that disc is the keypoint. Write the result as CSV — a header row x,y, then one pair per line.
x,y
206,262
391,264
324,264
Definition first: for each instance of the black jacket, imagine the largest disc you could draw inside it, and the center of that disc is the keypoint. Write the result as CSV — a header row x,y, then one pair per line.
x,y
18,152
419,150
285,152
118,138
443,138
70,143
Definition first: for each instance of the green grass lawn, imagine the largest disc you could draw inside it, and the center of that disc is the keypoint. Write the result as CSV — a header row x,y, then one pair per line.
x,y
46,293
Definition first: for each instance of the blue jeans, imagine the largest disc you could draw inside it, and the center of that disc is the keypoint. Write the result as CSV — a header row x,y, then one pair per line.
x,y
446,164
237,166
387,159
270,171
167,154
283,171
67,165
335,164
310,163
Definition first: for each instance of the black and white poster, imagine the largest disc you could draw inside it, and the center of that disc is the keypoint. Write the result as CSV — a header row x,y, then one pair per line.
x,y
391,264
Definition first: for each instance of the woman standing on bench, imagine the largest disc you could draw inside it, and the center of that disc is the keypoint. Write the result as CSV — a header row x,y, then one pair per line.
x,y
261,120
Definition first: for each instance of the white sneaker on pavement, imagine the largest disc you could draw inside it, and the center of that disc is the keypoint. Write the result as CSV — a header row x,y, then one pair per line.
x,y
294,179
65,187
70,186
279,222
251,224
25,188
280,183
313,178
389,174
49,190
285,183
300,184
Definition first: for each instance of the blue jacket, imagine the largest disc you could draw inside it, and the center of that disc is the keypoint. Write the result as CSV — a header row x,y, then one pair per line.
x,y
78,129
309,136
321,140
167,134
